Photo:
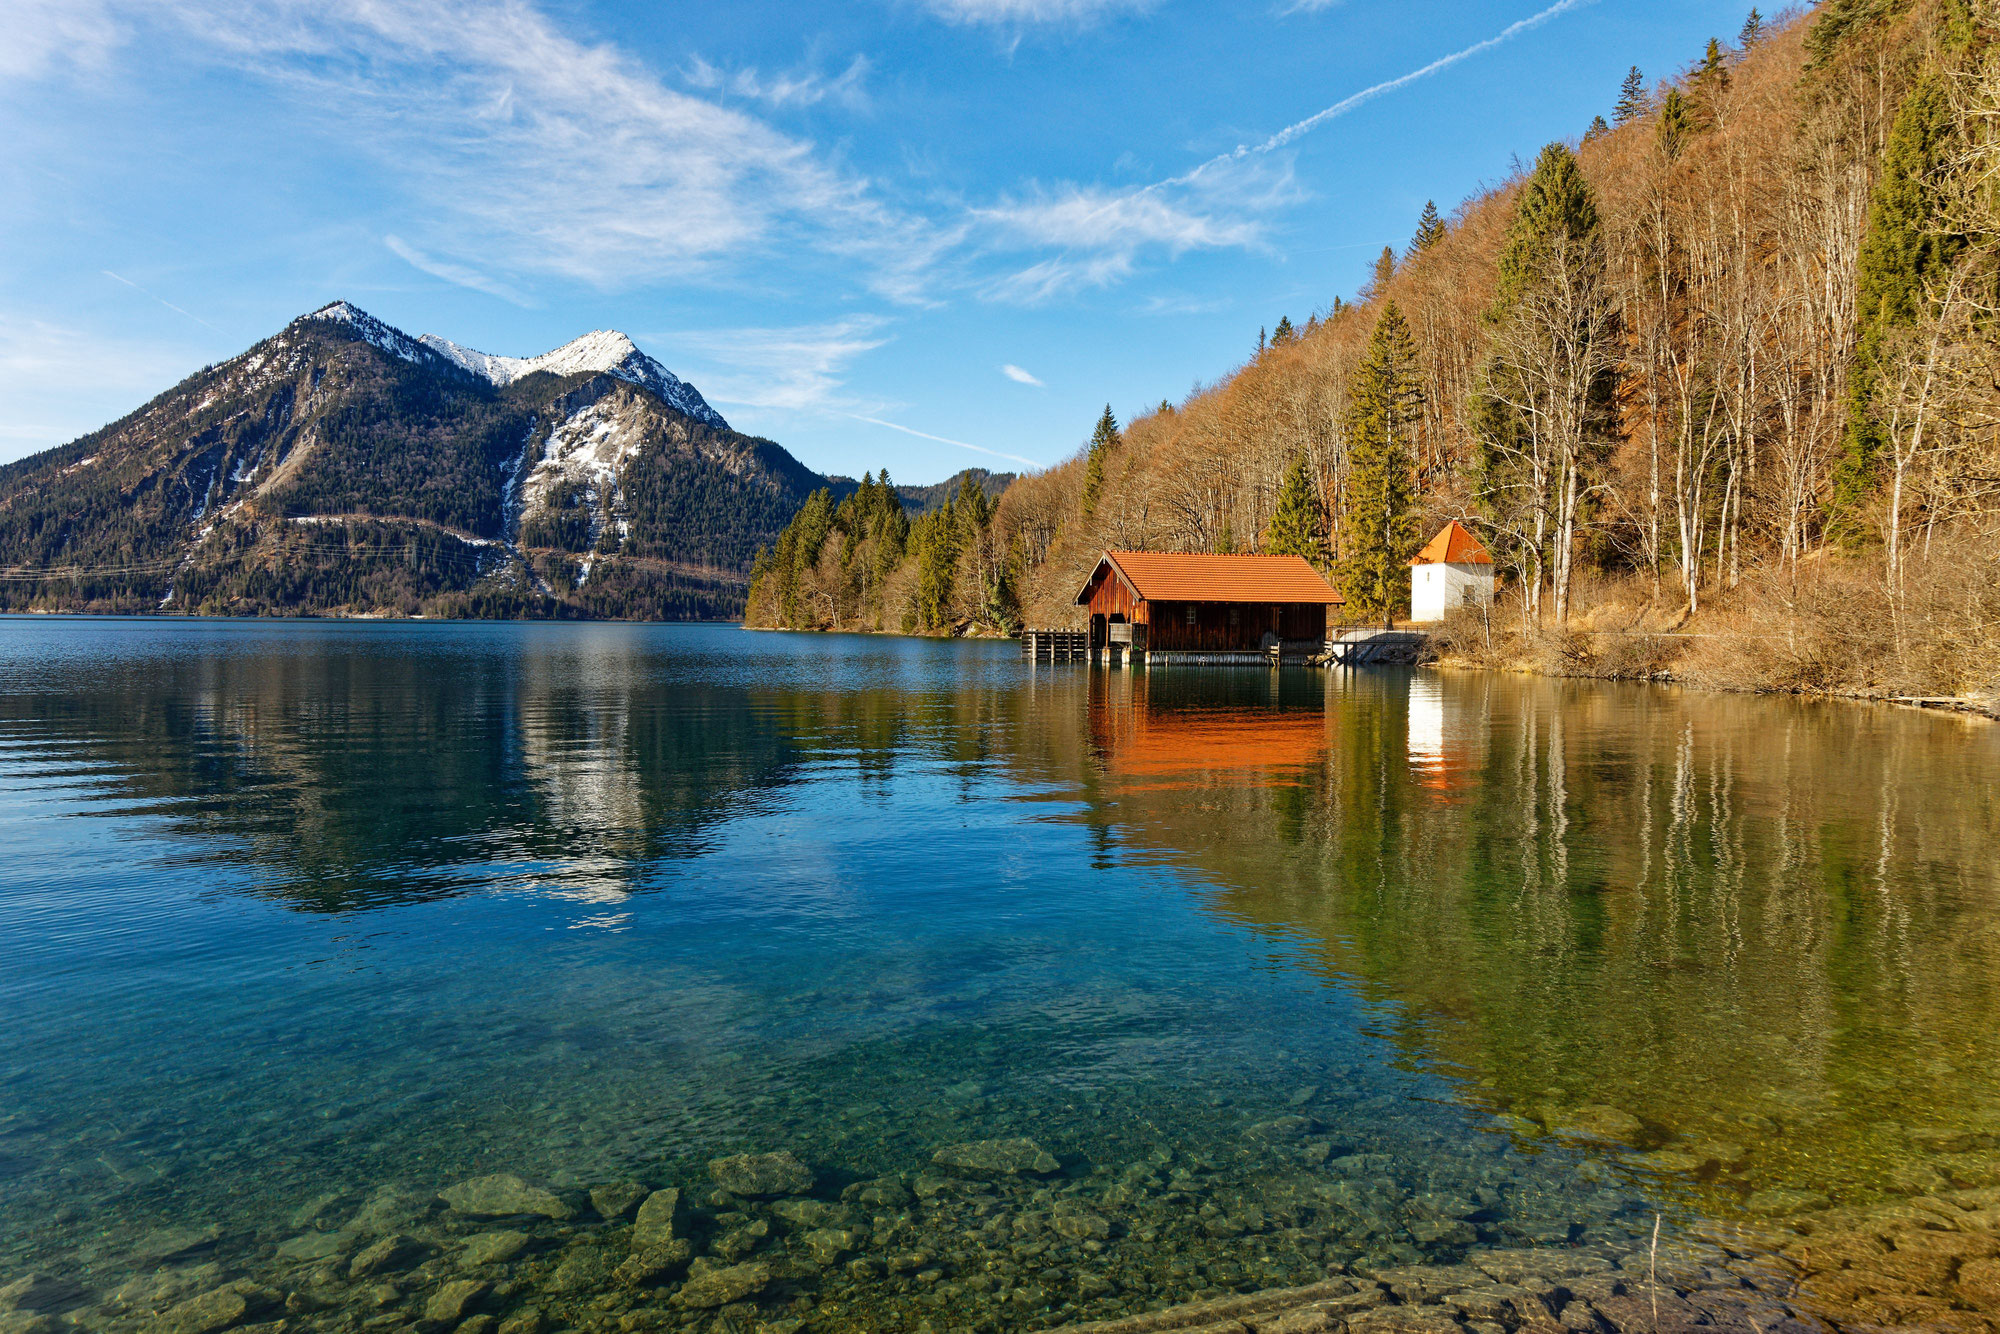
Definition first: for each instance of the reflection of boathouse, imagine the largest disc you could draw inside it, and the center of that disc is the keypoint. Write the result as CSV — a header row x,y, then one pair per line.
x,y
1173,606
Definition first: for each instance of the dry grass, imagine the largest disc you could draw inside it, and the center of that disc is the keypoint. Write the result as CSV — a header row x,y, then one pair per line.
x,y
1832,629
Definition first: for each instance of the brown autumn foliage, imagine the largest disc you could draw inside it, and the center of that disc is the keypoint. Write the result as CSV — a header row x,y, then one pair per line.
x,y
1706,545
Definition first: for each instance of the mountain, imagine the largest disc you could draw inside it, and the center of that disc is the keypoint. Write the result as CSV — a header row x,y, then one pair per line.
x,y
924,499
600,350
345,466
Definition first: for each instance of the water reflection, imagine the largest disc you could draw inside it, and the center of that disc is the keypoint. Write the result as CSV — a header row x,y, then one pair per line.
x,y
1755,937
594,902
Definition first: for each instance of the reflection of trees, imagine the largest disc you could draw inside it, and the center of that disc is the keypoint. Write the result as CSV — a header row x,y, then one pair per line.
x,y
358,779
1750,922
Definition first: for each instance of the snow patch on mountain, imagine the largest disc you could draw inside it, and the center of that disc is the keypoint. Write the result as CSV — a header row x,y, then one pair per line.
x,y
603,351
587,449
393,341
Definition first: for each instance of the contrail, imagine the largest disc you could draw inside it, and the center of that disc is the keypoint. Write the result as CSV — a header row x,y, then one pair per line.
x,y
1353,100
163,301
943,440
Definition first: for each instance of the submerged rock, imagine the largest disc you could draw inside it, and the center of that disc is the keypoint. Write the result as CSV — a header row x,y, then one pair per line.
x,y
390,1255
492,1248
215,1310
1595,1120
175,1242
720,1287
987,1158
311,1247
39,1292
449,1303
655,1223
654,1264
755,1174
1770,1203
504,1196
616,1200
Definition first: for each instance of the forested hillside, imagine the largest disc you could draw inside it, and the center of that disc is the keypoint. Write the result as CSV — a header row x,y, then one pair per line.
x,y
343,466
1716,382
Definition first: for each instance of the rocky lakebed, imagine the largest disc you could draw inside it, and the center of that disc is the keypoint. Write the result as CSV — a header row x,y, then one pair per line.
x,y
1284,1236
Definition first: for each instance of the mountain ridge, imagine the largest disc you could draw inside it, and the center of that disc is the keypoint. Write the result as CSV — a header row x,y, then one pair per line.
x,y
344,466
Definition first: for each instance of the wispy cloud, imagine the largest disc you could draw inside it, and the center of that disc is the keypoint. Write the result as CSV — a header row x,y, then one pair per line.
x,y
792,88
945,440
453,273
526,150
43,35
1014,13
1299,129
1019,376
162,300
1101,233
799,369
56,380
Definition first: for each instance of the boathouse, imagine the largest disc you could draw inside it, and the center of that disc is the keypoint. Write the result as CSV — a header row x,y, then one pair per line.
x,y
1158,606
1452,570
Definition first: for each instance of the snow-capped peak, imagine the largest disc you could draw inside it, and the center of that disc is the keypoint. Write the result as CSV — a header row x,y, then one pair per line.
x,y
393,341
604,351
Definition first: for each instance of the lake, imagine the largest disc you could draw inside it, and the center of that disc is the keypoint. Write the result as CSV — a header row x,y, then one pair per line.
x,y
953,992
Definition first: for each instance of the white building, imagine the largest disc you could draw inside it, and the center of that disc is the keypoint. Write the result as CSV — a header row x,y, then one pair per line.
x,y
1453,570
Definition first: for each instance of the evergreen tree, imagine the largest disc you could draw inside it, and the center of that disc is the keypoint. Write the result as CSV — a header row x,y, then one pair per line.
x,y
1753,31
1597,130
1385,402
1262,343
1902,249
1225,543
1676,123
1711,79
1284,333
1632,99
1103,440
935,541
1430,229
1555,201
1295,528
1385,270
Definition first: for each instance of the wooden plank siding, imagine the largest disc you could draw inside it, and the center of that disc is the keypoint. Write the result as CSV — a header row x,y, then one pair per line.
x,y
1207,603
1220,626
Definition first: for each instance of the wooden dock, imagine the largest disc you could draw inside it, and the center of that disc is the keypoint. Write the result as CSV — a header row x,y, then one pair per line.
x,y
1055,645
1361,648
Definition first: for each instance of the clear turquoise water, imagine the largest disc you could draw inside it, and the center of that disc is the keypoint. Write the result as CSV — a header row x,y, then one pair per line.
x,y
292,913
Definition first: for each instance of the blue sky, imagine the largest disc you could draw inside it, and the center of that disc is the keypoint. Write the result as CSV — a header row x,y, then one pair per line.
x,y
925,234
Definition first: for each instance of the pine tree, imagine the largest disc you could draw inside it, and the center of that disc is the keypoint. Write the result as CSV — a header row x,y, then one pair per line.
x,y
1711,80
1555,201
1103,440
1262,343
1385,402
1901,251
1225,542
1753,31
1284,333
1385,270
1295,528
1430,229
1632,99
1676,123
1597,129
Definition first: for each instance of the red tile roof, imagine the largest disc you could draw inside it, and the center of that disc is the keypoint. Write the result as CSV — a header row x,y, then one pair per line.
x,y
1164,576
1454,545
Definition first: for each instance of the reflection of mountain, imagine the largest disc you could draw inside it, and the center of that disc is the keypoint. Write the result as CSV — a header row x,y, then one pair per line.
x,y
363,779
1768,930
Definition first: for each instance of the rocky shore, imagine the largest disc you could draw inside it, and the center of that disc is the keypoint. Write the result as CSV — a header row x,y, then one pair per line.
x,y
1001,1234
